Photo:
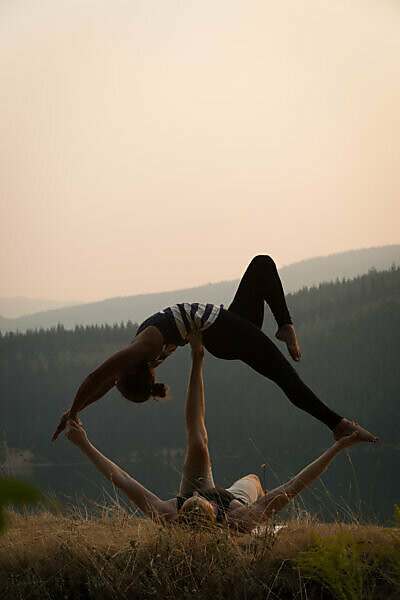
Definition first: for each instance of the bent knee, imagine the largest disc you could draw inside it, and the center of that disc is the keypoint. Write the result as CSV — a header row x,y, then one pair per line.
x,y
256,480
262,261
254,477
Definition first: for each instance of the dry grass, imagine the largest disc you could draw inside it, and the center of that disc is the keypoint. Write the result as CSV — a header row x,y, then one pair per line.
x,y
121,556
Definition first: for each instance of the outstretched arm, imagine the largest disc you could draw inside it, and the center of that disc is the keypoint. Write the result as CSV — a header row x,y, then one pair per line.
x,y
275,500
148,502
146,346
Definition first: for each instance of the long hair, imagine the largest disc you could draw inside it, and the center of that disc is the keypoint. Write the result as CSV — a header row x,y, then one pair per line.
x,y
140,384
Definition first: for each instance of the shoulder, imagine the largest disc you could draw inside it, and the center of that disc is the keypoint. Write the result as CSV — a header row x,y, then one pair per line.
x,y
143,348
149,336
168,509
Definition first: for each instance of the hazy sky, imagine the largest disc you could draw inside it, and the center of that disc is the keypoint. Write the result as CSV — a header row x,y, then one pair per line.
x,y
152,145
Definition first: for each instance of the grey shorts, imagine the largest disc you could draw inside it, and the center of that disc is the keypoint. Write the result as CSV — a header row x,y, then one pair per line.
x,y
245,489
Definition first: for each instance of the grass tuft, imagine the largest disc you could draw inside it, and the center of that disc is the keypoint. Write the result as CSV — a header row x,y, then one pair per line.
x,y
118,555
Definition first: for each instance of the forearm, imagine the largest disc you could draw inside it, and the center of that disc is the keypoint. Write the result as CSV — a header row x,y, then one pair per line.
x,y
109,469
276,499
88,392
310,473
148,502
102,379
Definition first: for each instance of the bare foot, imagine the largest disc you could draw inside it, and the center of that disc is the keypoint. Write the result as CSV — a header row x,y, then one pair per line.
x,y
287,334
346,428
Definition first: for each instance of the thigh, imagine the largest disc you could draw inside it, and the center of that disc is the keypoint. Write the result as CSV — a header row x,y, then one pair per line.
x,y
192,481
232,337
227,337
248,302
217,338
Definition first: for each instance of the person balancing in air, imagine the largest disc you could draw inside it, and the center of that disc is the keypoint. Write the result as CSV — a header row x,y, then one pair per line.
x,y
232,334
243,505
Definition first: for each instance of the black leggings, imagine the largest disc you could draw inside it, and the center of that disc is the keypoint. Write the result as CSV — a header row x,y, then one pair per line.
x,y
236,334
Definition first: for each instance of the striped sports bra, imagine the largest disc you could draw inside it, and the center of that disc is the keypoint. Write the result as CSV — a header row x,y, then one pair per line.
x,y
191,318
176,322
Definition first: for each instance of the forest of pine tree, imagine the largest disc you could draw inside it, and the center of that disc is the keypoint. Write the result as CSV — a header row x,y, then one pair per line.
x,y
348,332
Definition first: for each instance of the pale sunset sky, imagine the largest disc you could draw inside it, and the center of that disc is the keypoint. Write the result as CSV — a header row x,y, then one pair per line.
x,y
159,144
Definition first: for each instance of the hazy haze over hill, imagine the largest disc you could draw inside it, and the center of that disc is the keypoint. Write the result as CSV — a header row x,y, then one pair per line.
x,y
137,308
19,306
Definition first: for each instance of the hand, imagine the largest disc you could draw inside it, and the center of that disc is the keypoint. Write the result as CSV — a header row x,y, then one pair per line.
x,y
349,440
196,343
75,433
62,424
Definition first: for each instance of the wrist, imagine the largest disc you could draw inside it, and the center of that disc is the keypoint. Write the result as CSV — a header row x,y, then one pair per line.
x,y
337,447
83,444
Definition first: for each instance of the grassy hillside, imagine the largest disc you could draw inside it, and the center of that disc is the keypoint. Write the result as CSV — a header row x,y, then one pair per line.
x,y
122,557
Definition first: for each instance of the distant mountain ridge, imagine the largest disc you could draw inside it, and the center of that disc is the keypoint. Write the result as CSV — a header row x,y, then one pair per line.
x,y
19,306
306,273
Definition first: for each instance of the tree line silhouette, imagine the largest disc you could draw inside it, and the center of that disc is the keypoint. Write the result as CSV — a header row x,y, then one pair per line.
x,y
348,331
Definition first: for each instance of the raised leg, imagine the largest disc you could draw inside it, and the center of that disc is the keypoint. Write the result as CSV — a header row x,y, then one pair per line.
x,y
197,474
232,337
261,283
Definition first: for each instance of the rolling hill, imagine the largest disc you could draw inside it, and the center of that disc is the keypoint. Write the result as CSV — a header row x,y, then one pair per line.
x,y
305,273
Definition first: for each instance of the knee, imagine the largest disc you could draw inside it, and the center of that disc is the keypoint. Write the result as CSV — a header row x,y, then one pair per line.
x,y
256,480
254,477
263,261
283,373
198,444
